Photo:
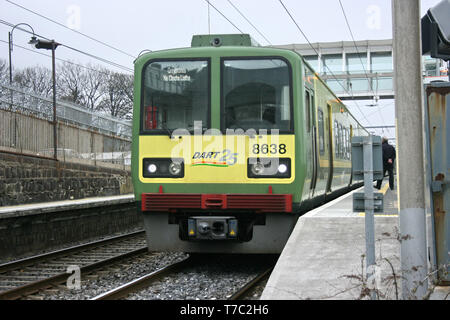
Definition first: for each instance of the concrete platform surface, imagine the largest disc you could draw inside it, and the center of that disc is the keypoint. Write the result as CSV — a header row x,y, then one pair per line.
x,y
325,255
37,208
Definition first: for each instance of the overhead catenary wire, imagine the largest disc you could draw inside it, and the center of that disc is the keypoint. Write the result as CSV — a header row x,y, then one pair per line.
x,y
257,30
98,58
59,59
73,30
209,3
117,65
356,47
314,49
359,56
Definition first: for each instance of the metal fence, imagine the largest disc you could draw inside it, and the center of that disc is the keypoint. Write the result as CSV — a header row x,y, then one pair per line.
x,y
26,126
27,102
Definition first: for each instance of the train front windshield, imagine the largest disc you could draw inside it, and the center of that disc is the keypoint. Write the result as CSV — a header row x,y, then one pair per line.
x,y
255,94
175,95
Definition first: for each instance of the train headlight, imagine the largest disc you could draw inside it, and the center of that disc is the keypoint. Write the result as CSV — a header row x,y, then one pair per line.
x,y
152,168
175,168
163,168
282,168
269,168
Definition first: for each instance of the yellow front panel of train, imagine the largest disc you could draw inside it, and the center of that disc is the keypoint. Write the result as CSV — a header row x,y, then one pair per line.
x,y
217,159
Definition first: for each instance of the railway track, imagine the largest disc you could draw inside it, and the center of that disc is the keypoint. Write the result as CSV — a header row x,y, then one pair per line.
x,y
142,282
244,291
19,279
145,282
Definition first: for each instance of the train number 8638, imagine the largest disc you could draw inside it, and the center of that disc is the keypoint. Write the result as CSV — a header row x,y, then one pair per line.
x,y
269,149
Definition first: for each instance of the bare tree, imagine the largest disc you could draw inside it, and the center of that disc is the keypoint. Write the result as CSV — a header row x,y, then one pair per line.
x,y
128,87
4,69
38,79
70,83
116,100
92,87
93,79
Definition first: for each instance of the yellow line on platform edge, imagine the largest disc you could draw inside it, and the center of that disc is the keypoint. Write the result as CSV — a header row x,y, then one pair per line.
x,y
385,188
363,214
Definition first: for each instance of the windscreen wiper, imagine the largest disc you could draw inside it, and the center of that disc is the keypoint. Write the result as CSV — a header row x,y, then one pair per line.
x,y
164,126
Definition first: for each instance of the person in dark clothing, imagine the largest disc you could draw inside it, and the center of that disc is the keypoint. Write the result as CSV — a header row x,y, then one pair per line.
x,y
388,163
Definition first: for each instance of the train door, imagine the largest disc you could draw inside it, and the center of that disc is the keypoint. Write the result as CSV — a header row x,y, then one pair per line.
x,y
311,124
330,148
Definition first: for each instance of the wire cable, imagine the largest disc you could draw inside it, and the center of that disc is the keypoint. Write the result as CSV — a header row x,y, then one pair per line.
x,y
98,58
73,30
333,75
356,47
59,59
359,56
223,16
231,3
72,48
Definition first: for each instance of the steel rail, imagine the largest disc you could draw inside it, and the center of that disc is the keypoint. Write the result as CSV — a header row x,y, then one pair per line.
x,y
142,282
251,284
9,266
33,287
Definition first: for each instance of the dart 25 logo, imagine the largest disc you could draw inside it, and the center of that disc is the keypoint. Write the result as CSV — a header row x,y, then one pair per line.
x,y
223,159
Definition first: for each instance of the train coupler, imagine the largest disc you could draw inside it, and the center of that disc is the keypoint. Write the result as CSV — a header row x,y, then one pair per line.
x,y
212,228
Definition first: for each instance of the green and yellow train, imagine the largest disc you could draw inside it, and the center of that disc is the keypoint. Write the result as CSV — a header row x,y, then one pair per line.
x,y
232,142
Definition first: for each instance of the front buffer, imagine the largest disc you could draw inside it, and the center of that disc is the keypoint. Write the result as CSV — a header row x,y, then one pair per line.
x,y
218,223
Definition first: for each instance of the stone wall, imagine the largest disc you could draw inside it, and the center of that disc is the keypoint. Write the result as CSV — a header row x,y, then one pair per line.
x,y
25,179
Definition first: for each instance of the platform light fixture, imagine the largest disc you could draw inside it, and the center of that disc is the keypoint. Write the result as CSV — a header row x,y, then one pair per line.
x,y
10,50
11,45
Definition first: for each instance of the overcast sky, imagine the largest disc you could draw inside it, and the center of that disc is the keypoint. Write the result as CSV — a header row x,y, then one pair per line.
x,y
134,25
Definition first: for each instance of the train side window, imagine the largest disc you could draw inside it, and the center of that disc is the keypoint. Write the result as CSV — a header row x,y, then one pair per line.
x,y
350,140
321,132
339,140
344,142
336,139
344,130
349,145
307,111
347,135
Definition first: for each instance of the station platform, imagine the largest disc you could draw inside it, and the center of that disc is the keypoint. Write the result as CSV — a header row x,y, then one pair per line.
x,y
31,229
324,259
37,208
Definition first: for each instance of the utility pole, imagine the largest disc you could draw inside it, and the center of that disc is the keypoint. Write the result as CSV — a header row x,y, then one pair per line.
x,y
10,59
55,123
410,165
50,45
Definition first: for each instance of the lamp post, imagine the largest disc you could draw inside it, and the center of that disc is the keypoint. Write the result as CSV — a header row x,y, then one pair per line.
x,y
11,46
50,45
